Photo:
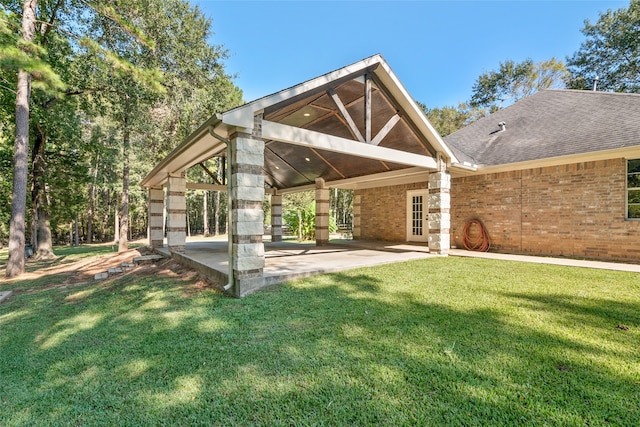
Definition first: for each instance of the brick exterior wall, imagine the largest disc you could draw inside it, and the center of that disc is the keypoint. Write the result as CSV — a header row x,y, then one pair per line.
x,y
574,210
383,212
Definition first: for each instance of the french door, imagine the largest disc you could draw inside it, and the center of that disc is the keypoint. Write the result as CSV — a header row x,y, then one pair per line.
x,y
417,211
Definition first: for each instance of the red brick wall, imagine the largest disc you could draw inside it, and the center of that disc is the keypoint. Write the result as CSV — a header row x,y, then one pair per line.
x,y
383,212
575,210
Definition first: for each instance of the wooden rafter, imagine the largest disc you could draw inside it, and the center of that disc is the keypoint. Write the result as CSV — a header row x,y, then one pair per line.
x,y
386,96
328,163
345,114
385,129
367,108
289,164
208,172
273,177
321,141
321,118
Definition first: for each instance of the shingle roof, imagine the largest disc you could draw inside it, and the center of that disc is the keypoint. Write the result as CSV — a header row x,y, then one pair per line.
x,y
551,123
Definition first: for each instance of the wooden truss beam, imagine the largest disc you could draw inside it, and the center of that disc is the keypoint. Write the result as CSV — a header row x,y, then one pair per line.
x,y
208,172
320,141
345,114
386,129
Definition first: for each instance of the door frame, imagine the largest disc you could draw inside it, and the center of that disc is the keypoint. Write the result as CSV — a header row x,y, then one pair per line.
x,y
411,237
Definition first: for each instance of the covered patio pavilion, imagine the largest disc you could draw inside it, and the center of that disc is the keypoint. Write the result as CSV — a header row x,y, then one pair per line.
x,y
356,127
287,260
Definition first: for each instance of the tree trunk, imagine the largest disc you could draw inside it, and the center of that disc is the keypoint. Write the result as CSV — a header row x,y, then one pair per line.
x,y
92,196
77,238
43,244
123,242
15,263
116,236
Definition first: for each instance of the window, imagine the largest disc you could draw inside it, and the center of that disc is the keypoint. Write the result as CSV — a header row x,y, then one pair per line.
x,y
633,189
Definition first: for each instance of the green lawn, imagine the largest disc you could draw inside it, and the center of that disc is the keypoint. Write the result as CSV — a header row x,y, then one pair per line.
x,y
443,341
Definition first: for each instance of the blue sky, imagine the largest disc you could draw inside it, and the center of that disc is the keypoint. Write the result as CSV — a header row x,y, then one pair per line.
x,y
436,48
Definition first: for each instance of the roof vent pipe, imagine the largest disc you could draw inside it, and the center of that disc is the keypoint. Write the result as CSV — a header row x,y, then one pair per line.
x,y
503,126
595,83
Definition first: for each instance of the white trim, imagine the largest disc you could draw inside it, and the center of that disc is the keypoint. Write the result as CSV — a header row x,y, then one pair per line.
x,y
206,187
626,190
409,215
307,138
397,89
383,179
616,153
243,116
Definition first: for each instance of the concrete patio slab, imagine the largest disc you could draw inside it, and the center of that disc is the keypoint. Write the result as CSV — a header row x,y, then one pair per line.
x,y
617,266
289,260
286,261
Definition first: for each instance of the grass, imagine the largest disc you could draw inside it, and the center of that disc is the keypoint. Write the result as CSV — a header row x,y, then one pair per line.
x,y
67,255
443,341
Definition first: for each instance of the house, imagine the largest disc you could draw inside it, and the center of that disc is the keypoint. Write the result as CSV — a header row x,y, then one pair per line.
x,y
539,186
556,173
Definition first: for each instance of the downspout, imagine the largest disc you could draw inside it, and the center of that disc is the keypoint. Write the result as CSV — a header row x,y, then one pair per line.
x,y
229,284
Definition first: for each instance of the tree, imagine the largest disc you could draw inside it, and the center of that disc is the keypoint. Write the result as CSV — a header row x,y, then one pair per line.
x,y
15,264
514,81
611,52
29,56
447,120
124,105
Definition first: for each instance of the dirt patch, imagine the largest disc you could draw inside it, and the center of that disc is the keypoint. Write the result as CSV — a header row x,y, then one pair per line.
x,y
83,272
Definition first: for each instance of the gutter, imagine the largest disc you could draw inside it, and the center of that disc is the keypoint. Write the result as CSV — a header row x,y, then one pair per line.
x,y
212,132
184,145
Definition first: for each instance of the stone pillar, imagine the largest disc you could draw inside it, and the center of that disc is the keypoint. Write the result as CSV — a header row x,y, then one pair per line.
x,y
245,189
276,218
156,217
322,213
439,218
357,231
176,213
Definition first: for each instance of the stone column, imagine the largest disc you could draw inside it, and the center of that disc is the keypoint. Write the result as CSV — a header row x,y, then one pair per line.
x,y
357,231
439,218
176,213
156,217
276,218
322,213
245,187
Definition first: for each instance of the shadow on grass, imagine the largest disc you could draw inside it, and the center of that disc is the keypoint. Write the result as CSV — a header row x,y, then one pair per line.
x,y
341,349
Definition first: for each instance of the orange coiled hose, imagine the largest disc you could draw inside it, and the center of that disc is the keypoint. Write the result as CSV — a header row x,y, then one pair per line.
x,y
476,241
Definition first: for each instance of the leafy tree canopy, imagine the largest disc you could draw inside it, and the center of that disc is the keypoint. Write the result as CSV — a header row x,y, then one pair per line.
x,y
447,120
514,81
611,52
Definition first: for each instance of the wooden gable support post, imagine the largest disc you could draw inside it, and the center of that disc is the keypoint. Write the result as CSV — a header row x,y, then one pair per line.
x,y
367,108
